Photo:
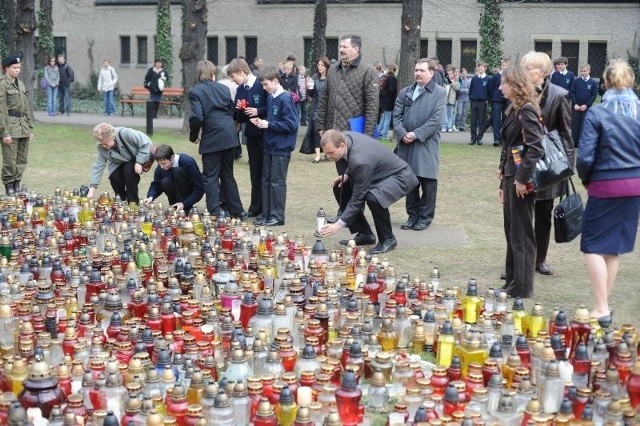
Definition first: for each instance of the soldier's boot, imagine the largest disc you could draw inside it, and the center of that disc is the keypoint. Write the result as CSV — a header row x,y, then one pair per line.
x,y
8,187
16,186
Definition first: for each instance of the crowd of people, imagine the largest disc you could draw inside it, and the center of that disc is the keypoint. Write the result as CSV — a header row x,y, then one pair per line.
x,y
344,106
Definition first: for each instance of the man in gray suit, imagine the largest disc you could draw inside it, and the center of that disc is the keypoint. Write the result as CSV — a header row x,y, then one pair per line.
x,y
372,174
417,117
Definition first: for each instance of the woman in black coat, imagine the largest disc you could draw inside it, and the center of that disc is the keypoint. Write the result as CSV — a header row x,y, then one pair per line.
x,y
211,124
154,81
556,111
522,136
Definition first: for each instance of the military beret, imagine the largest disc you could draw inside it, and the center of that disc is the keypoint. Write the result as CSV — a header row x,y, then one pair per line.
x,y
10,60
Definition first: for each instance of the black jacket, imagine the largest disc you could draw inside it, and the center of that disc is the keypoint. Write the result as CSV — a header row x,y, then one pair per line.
x,y
212,114
388,92
66,75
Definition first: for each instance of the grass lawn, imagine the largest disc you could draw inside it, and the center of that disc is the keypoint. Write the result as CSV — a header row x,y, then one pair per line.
x,y
62,156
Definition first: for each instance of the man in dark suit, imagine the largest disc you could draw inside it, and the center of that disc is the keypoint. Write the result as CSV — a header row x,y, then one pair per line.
x,y
498,102
417,115
372,174
212,125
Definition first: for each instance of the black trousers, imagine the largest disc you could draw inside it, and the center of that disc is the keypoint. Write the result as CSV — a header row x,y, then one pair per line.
x,y
360,224
217,173
497,116
255,150
177,187
521,241
274,186
577,122
478,120
124,181
542,226
422,207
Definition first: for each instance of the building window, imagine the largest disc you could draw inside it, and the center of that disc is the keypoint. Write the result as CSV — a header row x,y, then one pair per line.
x,y
250,49
125,50
468,54
571,51
59,45
424,48
443,51
597,57
544,47
142,50
231,46
332,48
212,49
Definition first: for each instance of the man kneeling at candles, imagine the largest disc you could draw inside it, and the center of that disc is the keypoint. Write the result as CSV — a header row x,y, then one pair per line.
x,y
373,174
177,176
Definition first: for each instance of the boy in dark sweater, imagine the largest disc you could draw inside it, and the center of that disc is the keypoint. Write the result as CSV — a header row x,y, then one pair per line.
x,y
562,77
498,102
251,101
177,176
478,95
280,132
583,93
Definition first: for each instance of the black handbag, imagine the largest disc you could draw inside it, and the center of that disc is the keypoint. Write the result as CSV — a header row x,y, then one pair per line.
x,y
554,166
567,215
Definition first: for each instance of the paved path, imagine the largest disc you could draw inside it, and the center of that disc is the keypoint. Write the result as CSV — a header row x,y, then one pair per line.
x,y
434,237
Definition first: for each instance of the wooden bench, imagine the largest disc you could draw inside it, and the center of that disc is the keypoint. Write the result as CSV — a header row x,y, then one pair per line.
x,y
171,97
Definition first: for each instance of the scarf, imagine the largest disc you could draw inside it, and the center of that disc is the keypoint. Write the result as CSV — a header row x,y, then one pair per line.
x,y
623,102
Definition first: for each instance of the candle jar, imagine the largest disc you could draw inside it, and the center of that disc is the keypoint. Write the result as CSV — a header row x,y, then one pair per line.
x,y
378,394
40,389
348,399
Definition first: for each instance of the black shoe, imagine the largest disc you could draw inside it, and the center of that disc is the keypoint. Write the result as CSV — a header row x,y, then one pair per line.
x,y
361,239
304,123
605,321
479,142
472,143
420,226
242,216
496,144
503,276
544,269
334,219
8,187
272,222
409,224
385,246
252,214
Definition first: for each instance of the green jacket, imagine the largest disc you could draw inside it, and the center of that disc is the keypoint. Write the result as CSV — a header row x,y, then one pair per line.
x,y
13,101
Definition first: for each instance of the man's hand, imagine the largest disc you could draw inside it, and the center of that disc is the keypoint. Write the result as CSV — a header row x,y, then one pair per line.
x,y
137,168
148,201
251,111
178,206
330,229
339,180
500,196
90,192
260,124
409,138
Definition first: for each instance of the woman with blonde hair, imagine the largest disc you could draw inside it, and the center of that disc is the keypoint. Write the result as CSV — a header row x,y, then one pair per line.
x,y
609,166
555,106
522,137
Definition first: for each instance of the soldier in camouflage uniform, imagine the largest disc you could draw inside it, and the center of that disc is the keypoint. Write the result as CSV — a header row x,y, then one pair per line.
x,y
16,124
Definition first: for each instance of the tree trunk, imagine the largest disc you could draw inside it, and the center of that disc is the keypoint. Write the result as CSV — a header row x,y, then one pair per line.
x,y
194,38
410,22
25,32
8,37
319,44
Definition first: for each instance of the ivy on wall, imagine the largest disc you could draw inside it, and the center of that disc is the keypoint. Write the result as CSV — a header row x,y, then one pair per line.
x,y
491,32
45,32
164,45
